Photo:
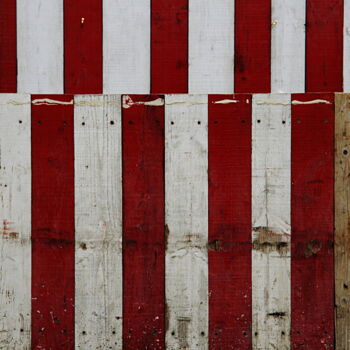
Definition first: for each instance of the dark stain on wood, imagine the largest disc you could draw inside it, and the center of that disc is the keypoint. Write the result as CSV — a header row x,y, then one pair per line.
x,y
182,330
268,241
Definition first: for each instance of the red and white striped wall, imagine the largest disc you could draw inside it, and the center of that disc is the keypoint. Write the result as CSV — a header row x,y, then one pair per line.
x,y
167,222
182,46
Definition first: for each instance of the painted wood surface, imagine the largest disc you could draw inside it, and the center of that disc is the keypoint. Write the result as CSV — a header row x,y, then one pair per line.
x,y
229,247
98,222
342,215
8,47
271,149
126,46
15,209
211,46
52,222
186,216
312,222
324,45
144,223
82,46
252,46
40,46
346,46
169,46
287,52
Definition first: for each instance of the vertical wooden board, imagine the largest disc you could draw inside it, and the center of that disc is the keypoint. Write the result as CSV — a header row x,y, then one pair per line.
x,y
312,221
169,46
186,216
252,46
52,222
8,47
342,217
287,48
229,255
83,46
126,46
15,208
346,45
98,222
271,148
211,46
143,222
324,45
40,46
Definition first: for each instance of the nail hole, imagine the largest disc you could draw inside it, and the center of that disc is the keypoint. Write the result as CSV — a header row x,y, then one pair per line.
x,y
283,333
283,122
83,332
243,121
345,286
216,122
113,332
298,121
131,122
325,121
244,333
64,123
172,333
202,334
111,122
20,121
258,120
345,152
172,123
256,334
83,123
199,122
40,122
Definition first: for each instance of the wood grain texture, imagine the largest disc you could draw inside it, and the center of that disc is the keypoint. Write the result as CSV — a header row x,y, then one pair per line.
x,y
252,46
8,47
229,247
15,208
186,216
287,50
346,46
83,46
40,46
98,222
169,46
312,214
143,224
211,46
342,217
271,148
52,224
324,45
126,46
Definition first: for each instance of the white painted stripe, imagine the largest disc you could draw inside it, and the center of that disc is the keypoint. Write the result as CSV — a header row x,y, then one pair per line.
x,y
126,46
346,38
271,146
40,46
15,216
288,46
186,216
98,222
211,46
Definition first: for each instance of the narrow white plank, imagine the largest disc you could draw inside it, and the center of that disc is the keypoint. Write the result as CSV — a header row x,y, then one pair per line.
x,y
186,216
15,216
346,54
98,222
40,46
126,46
211,46
271,147
288,46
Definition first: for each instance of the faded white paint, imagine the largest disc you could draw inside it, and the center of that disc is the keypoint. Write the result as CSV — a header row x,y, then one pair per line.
x,y
211,46
15,216
126,46
288,46
40,46
186,216
346,43
271,147
98,223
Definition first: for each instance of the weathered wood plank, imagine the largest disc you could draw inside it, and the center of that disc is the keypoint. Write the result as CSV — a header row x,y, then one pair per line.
x,y
346,47
98,222
186,216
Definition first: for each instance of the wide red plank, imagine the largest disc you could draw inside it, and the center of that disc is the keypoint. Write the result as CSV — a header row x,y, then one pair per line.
x,y
229,248
169,46
324,45
83,46
143,225
252,46
52,224
8,46
312,217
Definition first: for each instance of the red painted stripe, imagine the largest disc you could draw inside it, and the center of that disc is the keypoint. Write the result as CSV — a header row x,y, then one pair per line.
x,y
52,225
143,226
252,46
312,223
8,46
324,45
83,46
169,46
230,249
